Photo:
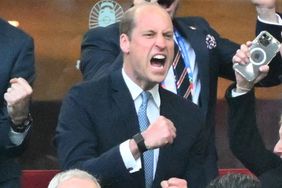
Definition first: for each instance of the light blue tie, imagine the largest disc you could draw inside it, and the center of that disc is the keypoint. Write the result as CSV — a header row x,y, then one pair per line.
x,y
148,156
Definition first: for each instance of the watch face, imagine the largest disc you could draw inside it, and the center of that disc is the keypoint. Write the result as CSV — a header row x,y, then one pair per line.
x,y
24,125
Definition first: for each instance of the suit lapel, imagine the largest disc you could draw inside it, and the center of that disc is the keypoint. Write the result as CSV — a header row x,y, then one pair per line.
x,y
125,104
126,112
197,38
166,109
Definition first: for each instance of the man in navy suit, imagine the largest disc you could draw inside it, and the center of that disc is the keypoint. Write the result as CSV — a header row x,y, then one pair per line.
x,y
16,74
210,55
98,129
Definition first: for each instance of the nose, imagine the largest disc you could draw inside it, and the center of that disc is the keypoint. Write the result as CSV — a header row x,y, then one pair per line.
x,y
161,42
278,148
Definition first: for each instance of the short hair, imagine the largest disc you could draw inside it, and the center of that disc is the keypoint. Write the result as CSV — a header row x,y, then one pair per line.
x,y
127,22
69,174
235,181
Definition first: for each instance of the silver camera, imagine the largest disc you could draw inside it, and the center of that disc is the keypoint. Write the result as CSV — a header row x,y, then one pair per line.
x,y
263,50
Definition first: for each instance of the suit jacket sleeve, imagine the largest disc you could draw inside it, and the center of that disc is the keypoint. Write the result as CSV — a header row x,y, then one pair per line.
x,y
195,173
99,49
77,143
18,61
275,72
244,137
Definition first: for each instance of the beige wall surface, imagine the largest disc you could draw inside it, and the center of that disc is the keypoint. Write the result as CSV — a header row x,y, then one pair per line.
x,y
57,27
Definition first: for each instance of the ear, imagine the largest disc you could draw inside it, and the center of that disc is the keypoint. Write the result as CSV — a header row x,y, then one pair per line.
x,y
124,43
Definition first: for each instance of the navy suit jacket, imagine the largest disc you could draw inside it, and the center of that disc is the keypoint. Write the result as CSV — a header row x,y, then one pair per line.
x,y
246,142
96,116
100,48
17,60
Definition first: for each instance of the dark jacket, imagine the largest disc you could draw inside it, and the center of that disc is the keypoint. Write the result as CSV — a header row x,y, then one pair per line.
x,y
246,142
17,60
96,116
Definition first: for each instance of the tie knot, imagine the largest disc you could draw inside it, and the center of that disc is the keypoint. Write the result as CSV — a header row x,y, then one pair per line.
x,y
145,97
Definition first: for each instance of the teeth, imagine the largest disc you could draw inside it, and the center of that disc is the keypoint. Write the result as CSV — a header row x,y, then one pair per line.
x,y
160,57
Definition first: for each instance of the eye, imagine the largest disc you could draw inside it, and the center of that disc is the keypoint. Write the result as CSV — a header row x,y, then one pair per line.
x,y
168,36
149,34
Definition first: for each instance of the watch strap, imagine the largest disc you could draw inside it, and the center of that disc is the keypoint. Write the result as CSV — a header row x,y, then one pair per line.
x,y
139,140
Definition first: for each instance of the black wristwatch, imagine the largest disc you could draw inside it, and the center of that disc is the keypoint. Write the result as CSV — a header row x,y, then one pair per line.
x,y
24,125
138,138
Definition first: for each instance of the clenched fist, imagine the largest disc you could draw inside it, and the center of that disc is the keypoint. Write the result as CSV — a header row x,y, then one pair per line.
x,y
159,133
18,97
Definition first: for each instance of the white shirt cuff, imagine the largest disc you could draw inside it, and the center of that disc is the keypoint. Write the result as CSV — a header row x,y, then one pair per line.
x,y
16,137
273,23
236,94
130,163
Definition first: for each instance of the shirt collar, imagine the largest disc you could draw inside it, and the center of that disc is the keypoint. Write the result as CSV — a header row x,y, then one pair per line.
x,y
136,91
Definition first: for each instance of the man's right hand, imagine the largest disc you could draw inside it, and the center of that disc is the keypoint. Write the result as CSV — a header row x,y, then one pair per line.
x,y
243,85
159,133
18,97
242,56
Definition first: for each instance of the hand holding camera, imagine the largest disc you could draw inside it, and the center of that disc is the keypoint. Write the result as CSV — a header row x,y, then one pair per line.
x,y
253,55
243,85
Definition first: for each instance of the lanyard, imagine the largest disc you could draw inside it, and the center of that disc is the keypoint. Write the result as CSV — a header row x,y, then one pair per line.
x,y
183,48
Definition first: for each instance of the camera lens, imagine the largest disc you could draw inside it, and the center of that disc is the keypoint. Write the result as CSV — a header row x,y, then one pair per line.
x,y
257,56
265,40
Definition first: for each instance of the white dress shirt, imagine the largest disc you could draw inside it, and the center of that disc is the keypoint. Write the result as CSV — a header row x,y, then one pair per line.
x,y
17,138
153,112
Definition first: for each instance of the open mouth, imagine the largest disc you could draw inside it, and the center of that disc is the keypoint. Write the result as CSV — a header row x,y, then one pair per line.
x,y
165,3
158,60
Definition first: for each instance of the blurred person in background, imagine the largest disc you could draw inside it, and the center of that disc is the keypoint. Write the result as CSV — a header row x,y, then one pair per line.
x,y
17,73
